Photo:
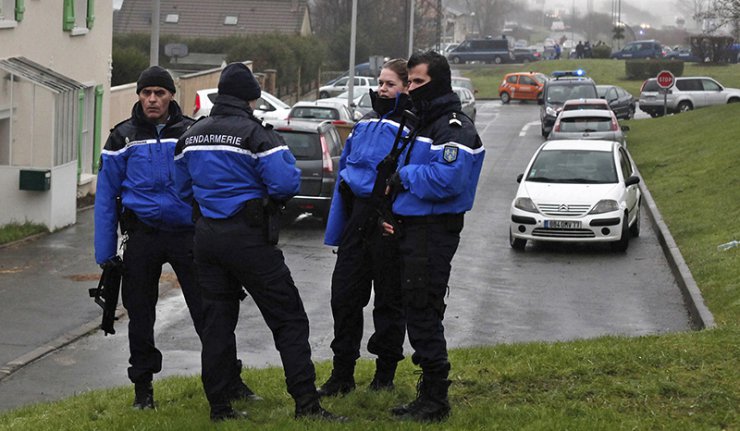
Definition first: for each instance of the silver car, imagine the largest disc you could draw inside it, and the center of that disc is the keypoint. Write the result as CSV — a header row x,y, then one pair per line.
x,y
588,124
689,92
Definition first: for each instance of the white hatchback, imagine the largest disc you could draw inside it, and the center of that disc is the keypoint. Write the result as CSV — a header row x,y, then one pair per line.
x,y
267,107
577,191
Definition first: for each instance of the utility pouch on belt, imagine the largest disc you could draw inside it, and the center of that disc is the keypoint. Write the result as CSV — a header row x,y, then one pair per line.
x,y
253,213
271,213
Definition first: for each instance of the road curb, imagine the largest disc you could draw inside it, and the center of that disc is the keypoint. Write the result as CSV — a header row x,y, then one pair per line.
x,y
701,317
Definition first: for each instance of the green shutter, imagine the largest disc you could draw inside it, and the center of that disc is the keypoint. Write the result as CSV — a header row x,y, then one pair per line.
x,y
68,22
20,8
80,124
90,13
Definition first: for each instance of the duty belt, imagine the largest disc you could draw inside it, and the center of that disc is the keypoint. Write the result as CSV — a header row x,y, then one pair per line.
x,y
430,219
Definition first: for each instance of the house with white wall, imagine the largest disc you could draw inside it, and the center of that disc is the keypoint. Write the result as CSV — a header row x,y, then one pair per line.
x,y
55,66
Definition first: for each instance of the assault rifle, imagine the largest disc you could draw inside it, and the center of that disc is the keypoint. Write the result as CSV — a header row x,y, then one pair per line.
x,y
383,203
106,294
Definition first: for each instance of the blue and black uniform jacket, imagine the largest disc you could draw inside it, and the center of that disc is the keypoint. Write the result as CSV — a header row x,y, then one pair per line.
x,y
439,170
230,157
137,165
369,142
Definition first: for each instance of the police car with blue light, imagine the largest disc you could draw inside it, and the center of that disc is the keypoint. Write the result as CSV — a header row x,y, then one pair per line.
x,y
563,86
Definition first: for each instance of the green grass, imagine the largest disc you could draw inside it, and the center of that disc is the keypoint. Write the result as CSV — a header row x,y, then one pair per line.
x,y
486,78
15,231
679,381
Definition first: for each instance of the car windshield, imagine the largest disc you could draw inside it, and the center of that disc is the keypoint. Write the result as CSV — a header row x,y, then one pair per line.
x,y
304,146
561,93
576,106
573,166
315,112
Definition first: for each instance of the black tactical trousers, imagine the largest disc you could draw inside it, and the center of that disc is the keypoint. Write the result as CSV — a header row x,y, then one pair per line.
x,y
427,247
366,260
146,251
230,254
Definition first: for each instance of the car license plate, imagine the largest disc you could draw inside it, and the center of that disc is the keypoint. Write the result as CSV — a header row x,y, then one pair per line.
x,y
562,224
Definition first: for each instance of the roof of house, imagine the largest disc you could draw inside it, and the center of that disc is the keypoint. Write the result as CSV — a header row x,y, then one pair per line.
x,y
215,18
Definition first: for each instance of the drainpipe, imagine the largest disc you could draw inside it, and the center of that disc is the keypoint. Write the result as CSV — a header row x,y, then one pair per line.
x,y
80,115
90,14
97,128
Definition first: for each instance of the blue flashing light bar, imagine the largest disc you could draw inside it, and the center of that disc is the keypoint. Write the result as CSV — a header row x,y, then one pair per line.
x,y
577,72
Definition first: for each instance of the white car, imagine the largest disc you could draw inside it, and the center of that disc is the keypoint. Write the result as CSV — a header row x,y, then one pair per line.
x,y
361,103
267,107
588,124
577,191
321,110
342,84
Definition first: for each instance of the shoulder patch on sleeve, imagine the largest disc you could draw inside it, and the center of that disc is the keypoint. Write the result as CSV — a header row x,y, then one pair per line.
x,y
454,121
450,153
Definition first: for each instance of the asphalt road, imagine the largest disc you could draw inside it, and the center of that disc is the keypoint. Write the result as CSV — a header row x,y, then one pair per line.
x,y
497,295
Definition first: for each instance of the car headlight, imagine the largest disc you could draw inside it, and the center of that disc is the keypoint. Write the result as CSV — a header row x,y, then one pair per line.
x,y
551,112
525,204
605,206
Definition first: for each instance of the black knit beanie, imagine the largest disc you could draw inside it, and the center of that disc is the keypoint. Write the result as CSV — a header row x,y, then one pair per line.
x,y
155,76
237,80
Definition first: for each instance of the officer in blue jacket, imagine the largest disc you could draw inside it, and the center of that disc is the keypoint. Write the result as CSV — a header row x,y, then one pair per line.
x,y
434,186
230,165
137,169
367,259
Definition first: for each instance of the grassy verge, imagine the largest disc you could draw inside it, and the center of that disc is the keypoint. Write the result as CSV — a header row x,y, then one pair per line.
x,y
15,231
486,78
683,381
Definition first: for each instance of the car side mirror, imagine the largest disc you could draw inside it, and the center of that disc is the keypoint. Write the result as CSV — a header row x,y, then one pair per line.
x,y
631,180
519,178
264,108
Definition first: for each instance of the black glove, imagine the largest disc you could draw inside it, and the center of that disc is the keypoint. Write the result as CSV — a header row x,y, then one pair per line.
x,y
394,182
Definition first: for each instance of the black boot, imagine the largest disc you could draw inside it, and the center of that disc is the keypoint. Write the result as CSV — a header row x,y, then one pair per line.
x,y
308,406
224,412
385,370
143,396
341,381
240,390
431,403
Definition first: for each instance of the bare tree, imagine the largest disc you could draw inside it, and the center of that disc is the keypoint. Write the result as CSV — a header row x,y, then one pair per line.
x,y
489,14
720,13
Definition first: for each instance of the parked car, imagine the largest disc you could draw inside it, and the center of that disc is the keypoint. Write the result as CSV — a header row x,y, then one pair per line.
x,y
587,124
320,110
317,148
461,81
342,84
620,100
362,69
563,86
483,51
361,103
267,107
577,191
689,92
639,49
467,99
683,54
521,86
525,55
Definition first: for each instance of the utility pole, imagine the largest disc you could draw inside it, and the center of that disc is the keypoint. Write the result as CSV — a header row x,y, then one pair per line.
x,y
439,25
352,41
411,27
154,41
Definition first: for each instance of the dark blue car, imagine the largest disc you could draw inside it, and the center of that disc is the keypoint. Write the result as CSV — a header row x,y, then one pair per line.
x,y
683,54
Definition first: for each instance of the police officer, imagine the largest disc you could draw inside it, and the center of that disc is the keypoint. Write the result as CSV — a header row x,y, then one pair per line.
x,y
367,259
137,168
231,165
433,187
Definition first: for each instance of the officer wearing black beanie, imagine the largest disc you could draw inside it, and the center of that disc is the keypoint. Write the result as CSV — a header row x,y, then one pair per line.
x,y
135,170
231,166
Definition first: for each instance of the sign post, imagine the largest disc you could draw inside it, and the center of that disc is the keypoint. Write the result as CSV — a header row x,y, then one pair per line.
x,y
665,80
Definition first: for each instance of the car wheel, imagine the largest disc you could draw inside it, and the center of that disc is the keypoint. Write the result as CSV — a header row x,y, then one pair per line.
x,y
656,114
497,60
505,98
624,240
323,95
544,133
635,228
685,106
517,243
456,60
733,100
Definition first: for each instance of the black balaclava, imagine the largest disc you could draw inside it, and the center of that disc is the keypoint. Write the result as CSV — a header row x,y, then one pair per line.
x,y
421,96
384,105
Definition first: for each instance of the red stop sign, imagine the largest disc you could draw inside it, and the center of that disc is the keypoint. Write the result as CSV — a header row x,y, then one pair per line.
x,y
665,79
